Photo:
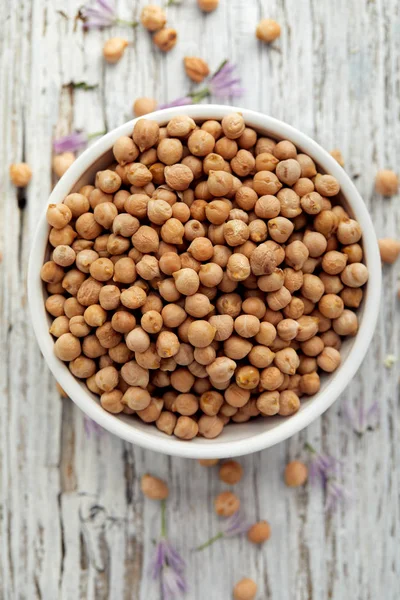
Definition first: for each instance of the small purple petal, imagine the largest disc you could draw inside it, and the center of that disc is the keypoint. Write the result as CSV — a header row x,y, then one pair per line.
x,y
173,558
335,495
98,14
237,524
178,102
173,584
70,143
223,84
359,418
158,560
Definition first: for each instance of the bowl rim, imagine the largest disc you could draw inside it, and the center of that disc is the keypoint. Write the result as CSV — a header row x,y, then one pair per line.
x,y
200,448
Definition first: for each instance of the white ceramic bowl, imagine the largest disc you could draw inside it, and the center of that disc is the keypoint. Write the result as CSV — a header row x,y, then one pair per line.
x,y
236,439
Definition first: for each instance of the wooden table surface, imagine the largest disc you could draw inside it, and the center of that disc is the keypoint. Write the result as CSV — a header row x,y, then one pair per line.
x,y
73,523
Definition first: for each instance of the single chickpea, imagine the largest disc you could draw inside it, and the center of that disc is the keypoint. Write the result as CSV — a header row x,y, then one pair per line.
x,y
271,378
95,315
64,256
92,348
287,361
279,299
254,306
166,422
169,263
59,326
180,126
326,222
351,297
138,340
349,231
58,215
223,324
243,163
82,367
289,403
310,384
173,315
72,281
186,428
268,30
354,275
311,203
266,335
296,255
125,270
153,487
237,348
287,329
89,292
219,183
354,253
73,308
229,304
85,258
168,290
386,183
114,49
331,306
389,249
201,334
238,267
198,306
64,236
332,283
231,472
211,402
167,344
259,532
313,346
201,249
210,427
261,357
303,186
145,134
265,161
112,401
211,274
138,175
237,396
288,171
315,242
178,176
296,473
172,232
135,375
346,324
326,185
67,347
247,377
151,322
246,198
334,262
165,39
280,229
235,232
109,297
125,150
205,356
185,355
329,359
312,288
149,359
62,162
123,321
186,281
20,174
207,5
196,68
226,504
268,403
247,326
102,269
217,212
266,183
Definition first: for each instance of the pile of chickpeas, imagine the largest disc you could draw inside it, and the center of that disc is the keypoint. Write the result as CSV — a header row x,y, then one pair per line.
x,y
208,276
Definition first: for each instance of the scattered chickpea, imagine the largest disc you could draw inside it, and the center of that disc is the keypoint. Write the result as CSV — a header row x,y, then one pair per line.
x,y
207,5
165,39
226,504
245,589
20,174
231,472
259,532
296,473
389,249
268,30
386,183
114,49
153,487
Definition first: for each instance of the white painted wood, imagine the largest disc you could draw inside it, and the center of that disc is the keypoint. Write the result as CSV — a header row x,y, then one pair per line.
x,y
73,523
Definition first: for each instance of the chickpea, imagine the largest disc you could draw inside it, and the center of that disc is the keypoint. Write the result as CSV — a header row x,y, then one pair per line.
x,y
73,308
386,183
329,359
73,281
289,403
279,299
331,306
169,263
166,422
135,375
280,229
186,428
226,504
59,326
334,262
125,150
268,403
62,162
186,281
296,473
20,174
268,30
351,297
266,335
346,324
310,384
64,236
287,361
207,5
247,377
219,183
296,254
123,321
211,402
389,249
311,203
58,215
165,39
271,378
112,401
172,231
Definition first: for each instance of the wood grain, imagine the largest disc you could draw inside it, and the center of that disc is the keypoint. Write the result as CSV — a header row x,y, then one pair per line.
x,y
73,523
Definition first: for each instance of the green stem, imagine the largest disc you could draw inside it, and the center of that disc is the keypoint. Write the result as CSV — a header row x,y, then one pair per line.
x,y
200,95
221,66
163,519
124,22
96,134
310,448
210,541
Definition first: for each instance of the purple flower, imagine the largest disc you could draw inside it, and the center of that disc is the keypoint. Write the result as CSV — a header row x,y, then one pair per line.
x,y
98,14
360,418
224,84
91,427
325,470
237,524
167,565
101,13
74,141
